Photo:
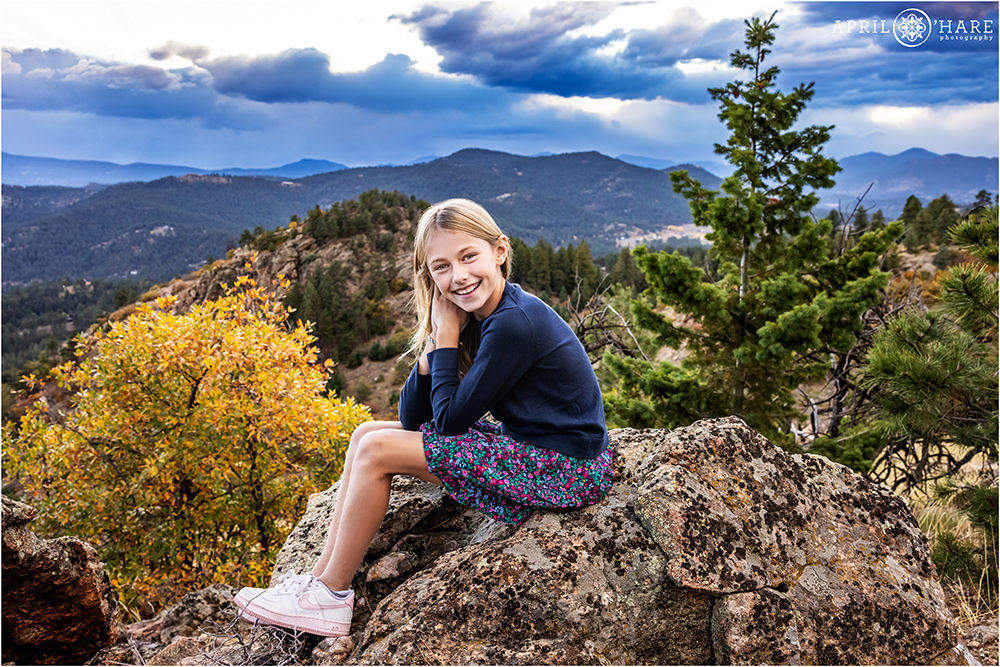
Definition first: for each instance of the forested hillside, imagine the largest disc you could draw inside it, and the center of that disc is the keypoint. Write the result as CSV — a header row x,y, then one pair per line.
x,y
152,230
163,228
23,204
38,319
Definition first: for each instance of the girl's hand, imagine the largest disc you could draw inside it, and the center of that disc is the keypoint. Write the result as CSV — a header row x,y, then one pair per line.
x,y
447,321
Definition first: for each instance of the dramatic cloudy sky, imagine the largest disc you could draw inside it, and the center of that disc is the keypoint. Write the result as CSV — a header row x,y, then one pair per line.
x,y
229,83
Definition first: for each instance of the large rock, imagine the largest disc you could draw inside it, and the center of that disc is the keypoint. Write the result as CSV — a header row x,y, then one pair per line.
x,y
58,603
714,546
814,563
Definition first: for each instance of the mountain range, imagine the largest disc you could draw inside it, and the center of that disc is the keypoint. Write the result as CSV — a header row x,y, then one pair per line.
x,y
160,228
28,170
913,172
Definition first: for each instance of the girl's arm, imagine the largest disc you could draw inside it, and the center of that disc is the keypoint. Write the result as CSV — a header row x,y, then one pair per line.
x,y
447,321
415,396
507,349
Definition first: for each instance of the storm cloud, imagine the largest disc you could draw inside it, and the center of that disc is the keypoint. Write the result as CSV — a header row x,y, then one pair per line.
x,y
853,67
57,79
538,54
60,80
304,75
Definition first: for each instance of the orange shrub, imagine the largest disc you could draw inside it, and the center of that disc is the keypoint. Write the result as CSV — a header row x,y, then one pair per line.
x,y
193,442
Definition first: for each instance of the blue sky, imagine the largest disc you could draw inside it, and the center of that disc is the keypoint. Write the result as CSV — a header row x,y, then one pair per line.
x,y
221,83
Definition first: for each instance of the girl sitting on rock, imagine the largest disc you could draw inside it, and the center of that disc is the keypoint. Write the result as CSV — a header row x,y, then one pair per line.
x,y
485,345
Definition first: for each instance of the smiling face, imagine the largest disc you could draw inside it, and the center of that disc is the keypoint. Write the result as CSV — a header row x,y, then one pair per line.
x,y
466,270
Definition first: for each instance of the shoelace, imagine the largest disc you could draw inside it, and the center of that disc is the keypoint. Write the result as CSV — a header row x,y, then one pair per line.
x,y
290,582
304,584
287,580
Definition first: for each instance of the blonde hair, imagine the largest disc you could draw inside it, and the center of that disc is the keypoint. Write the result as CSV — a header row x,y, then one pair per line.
x,y
452,215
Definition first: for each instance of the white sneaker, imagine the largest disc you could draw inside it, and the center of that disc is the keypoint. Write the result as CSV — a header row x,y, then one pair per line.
x,y
310,607
287,582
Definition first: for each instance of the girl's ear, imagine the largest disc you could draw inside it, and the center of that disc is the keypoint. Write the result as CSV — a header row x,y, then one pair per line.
x,y
503,247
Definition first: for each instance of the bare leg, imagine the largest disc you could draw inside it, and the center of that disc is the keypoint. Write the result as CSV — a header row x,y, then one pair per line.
x,y
381,455
345,478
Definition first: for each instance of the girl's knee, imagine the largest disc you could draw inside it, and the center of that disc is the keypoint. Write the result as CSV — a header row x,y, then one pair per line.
x,y
370,427
361,430
371,451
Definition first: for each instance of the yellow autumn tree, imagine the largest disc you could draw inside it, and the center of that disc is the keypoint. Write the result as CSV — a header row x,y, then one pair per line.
x,y
192,444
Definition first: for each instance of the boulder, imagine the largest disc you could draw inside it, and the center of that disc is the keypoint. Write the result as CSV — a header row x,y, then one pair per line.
x,y
813,563
58,603
713,547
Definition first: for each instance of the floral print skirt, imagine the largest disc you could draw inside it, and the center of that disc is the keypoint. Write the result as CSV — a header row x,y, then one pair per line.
x,y
506,479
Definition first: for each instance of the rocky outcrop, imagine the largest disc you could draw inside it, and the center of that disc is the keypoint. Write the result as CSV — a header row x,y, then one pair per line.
x,y
198,623
295,259
58,603
982,641
714,546
812,562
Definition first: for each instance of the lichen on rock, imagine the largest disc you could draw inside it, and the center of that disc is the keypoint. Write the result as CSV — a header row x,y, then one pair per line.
x,y
713,547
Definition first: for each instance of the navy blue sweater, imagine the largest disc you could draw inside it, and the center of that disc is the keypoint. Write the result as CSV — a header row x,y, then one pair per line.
x,y
530,372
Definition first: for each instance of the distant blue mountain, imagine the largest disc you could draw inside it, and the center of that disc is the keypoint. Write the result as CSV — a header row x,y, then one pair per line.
x,y
919,172
300,169
893,178
717,168
643,161
424,158
27,170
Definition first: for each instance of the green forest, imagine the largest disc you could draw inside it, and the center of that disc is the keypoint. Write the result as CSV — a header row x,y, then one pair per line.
x,y
39,319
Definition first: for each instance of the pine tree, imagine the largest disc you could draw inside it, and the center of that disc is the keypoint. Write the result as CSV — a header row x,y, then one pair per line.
x,y
836,221
916,234
625,272
983,199
930,377
943,215
584,278
542,257
878,220
860,222
521,268
911,209
777,302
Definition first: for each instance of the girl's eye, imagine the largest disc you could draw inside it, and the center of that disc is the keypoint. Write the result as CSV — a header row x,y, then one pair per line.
x,y
471,255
